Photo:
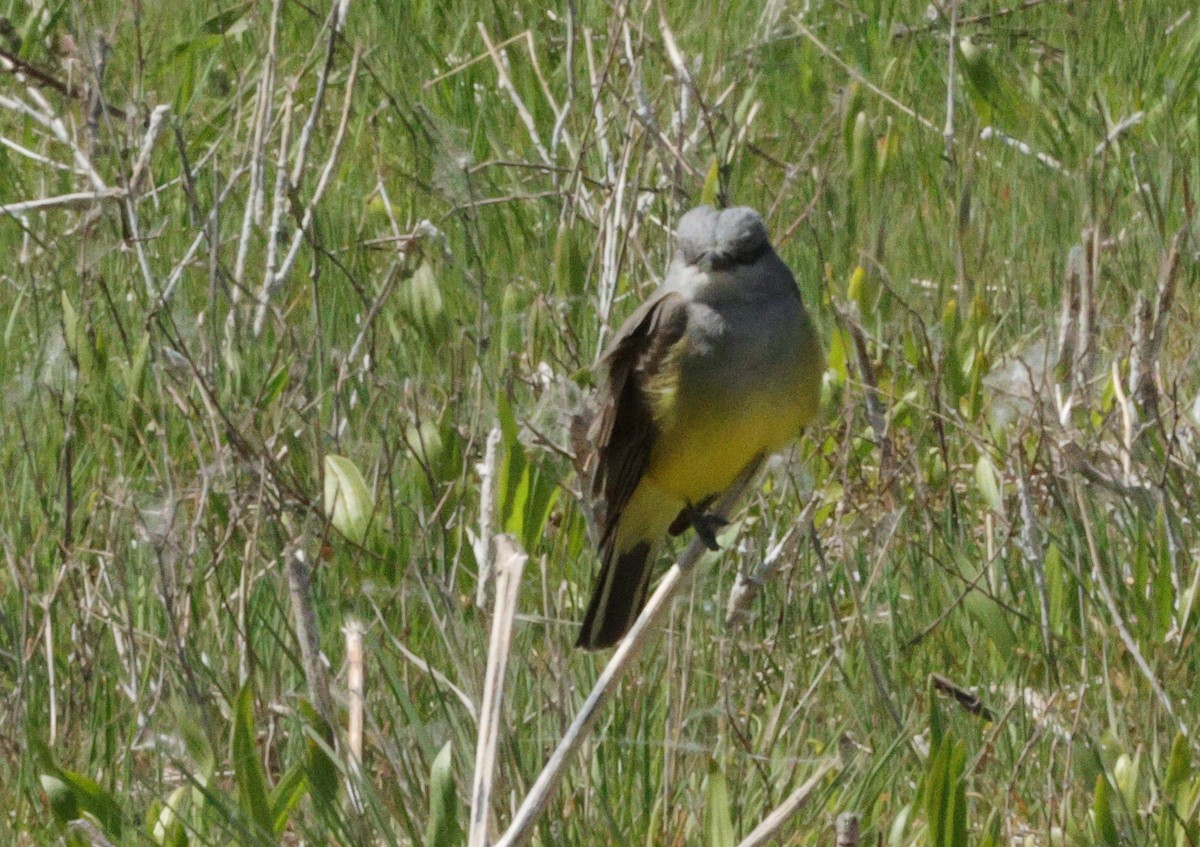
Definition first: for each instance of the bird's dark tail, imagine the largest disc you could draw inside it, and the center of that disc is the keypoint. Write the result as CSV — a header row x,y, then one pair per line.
x,y
618,597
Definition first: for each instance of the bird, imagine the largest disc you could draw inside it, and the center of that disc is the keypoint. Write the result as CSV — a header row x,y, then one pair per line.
x,y
720,367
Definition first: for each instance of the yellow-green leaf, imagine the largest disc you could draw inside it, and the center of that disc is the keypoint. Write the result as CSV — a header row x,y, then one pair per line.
x,y
248,770
443,829
987,482
718,820
349,503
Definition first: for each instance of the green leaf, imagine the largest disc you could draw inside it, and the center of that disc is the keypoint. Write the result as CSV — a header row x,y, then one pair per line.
x,y
991,616
1179,765
72,795
320,768
862,154
135,377
514,471
443,829
420,301
570,266
987,483
70,321
946,795
995,98
718,819
229,21
63,803
349,503
1125,777
275,386
1102,815
166,827
712,185
853,104
248,770
935,718
286,795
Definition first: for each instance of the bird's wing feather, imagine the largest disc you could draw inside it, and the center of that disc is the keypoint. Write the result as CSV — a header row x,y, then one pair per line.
x,y
624,431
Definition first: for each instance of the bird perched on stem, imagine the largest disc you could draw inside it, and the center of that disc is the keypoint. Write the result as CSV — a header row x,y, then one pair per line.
x,y
718,369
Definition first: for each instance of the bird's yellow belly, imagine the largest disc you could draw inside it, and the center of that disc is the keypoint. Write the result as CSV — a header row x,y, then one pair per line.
x,y
705,448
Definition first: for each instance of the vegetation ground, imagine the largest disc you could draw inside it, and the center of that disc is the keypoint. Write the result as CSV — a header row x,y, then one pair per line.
x,y
382,231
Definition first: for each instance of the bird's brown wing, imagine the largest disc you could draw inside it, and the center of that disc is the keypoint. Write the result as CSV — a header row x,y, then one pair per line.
x,y
623,432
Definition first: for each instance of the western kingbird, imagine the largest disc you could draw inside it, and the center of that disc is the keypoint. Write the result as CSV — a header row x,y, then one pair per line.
x,y
719,368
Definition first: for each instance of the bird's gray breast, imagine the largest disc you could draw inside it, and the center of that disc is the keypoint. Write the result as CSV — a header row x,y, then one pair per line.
x,y
741,348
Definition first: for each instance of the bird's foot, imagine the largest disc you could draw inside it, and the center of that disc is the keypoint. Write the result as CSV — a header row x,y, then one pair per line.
x,y
707,525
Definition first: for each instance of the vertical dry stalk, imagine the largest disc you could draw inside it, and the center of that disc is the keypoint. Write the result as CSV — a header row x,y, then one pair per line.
x,y
1151,328
255,202
847,830
278,199
772,823
299,578
510,562
300,160
1075,347
482,544
48,632
1029,542
356,691
951,71
356,695
1086,348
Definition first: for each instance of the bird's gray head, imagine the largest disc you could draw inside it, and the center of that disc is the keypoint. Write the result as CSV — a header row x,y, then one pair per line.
x,y
716,240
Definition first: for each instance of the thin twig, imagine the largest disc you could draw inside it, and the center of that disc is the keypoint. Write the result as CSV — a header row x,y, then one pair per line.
x,y
141,167
278,201
747,585
202,233
507,84
856,75
37,157
785,811
304,143
306,219
510,562
62,201
560,120
1114,612
903,31
255,200
1118,130
990,132
47,119
457,69
647,626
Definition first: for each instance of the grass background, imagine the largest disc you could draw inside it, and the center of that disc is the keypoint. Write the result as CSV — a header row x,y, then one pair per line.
x,y
1006,473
